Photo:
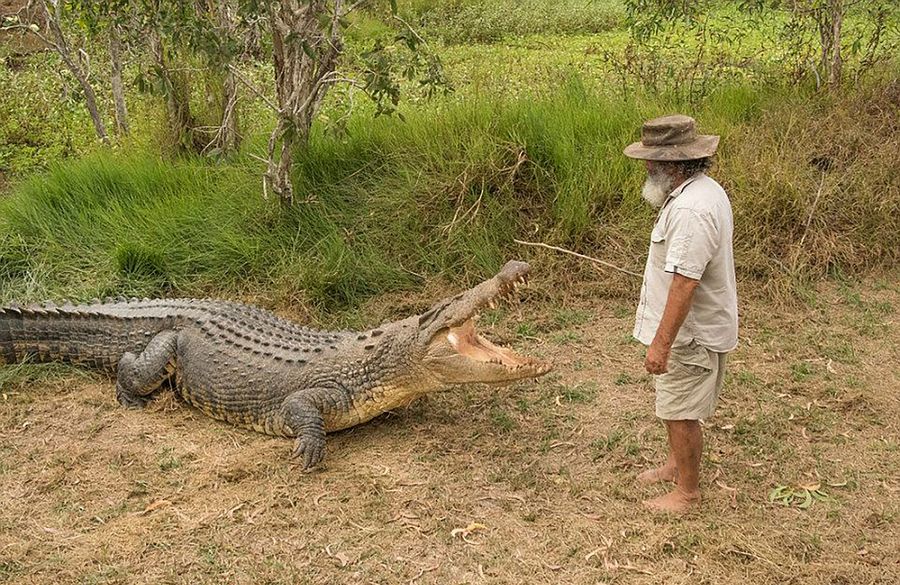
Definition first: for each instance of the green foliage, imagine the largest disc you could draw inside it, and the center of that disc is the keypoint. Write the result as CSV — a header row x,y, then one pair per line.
x,y
530,145
797,38
38,119
483,21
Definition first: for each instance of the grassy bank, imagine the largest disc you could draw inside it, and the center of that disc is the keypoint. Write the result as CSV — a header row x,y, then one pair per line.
x,y
446,191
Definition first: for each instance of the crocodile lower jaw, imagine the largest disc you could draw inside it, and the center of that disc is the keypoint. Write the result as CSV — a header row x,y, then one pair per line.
x,y
469,343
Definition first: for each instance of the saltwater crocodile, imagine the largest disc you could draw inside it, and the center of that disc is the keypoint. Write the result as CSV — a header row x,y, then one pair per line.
x,y
251,368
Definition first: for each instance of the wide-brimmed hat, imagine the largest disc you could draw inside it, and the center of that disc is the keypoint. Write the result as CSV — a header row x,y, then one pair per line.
x,y
672,138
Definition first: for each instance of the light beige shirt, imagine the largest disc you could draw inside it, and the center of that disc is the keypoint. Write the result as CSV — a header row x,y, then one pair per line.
x,y
692,236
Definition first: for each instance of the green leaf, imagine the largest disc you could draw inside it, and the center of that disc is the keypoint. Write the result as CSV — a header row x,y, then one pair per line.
x,y
820,495
308,50
807,500
394,7
778,493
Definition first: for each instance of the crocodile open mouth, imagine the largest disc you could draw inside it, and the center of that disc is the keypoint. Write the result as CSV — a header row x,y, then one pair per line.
x,y
465,339
469,343
457,353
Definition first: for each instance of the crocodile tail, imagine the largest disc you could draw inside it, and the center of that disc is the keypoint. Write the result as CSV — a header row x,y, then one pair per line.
x,y
7,346
75,335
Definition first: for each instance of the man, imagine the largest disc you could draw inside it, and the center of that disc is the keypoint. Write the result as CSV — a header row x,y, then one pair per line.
x,y
687,314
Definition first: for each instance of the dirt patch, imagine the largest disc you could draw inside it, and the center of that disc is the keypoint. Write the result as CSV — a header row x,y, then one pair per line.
x,y
527,484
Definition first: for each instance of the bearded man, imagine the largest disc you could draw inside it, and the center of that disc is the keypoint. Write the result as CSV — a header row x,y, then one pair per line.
x,y
687,315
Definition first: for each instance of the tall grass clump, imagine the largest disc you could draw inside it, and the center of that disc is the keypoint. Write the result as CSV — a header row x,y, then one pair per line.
x,y
812,180
816,187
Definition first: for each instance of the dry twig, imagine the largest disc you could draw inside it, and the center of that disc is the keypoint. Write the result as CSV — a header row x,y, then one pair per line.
x,y
595,260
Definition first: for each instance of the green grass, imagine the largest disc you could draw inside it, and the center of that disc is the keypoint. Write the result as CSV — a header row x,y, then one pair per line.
x,y
383,204
502,421
445,192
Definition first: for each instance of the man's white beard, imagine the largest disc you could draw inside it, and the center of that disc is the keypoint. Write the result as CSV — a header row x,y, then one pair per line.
x,y
656,188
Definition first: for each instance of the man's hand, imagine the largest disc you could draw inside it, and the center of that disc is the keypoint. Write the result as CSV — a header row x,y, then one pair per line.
x,y
657,361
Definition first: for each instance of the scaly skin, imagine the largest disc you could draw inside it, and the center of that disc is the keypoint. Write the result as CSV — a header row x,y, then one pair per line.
x,y
248,367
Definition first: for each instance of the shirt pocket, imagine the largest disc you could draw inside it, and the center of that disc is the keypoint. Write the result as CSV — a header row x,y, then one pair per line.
x,y
658,247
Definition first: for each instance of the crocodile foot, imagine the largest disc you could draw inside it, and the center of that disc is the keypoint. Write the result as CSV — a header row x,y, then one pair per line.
x,y
129,399
309,451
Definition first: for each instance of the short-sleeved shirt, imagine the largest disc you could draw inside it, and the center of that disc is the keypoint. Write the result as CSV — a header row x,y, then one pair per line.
x,y
692,236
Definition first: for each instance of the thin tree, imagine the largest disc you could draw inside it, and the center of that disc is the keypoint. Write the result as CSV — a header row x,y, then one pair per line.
x,y
55,39
118,87
307,43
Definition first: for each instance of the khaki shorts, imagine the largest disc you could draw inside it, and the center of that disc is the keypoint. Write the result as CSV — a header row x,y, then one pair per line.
x,y
690,389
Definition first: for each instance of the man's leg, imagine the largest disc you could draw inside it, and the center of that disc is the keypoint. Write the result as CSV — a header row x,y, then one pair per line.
x,y
686,445
668,471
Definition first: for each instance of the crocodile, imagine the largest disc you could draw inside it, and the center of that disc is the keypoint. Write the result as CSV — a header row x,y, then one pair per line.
x,y
251,368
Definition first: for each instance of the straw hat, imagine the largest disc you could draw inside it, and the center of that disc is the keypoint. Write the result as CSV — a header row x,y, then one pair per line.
x,y
672,138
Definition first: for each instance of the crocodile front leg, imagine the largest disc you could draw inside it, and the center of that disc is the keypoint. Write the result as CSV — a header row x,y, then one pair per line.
x,y
303,420
139,376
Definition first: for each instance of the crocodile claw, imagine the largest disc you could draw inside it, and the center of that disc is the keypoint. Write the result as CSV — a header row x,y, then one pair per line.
x,y
128,399
309,452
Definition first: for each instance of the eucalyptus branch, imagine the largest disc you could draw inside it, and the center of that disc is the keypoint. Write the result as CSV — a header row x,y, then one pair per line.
x,y
329,78
28,28
410,29
577,255
253,88
351,8
349,81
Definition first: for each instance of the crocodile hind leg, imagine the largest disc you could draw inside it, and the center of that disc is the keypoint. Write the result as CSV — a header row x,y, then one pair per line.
x,y
139,376
303,420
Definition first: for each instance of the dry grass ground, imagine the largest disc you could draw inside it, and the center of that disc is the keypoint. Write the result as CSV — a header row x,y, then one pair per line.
x,y
537,476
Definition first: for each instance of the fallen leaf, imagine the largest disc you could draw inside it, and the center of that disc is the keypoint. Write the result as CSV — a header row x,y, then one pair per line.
x,y
464,533
154,506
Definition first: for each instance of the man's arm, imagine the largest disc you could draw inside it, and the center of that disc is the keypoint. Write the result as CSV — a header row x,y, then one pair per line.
x,y
678,304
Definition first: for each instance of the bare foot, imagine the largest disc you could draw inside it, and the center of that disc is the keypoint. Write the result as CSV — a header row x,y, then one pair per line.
x,y
656,475
676,501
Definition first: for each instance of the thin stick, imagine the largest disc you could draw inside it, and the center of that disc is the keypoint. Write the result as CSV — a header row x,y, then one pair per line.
x,y
595,260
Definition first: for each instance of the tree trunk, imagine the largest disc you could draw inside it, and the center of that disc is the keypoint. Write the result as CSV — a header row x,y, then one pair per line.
x,y
837,21
118,89
227,138
177,93
252,39
59,44
304,65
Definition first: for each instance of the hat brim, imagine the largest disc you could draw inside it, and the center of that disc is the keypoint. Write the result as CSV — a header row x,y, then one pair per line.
x,y
705,145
